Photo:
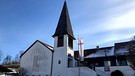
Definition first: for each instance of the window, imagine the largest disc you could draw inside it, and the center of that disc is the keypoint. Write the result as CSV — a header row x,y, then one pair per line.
x,y
59,62
96,64
107,63
70,42
60,41
122,62
70,62
35,61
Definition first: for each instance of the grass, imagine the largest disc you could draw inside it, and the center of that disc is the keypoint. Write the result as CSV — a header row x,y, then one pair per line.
x,y
12,66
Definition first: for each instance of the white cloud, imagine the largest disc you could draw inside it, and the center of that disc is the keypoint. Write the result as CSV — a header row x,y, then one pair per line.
x,y
124,21
115,37
117,22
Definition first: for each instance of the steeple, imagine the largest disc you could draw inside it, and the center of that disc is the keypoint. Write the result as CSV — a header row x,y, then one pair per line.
x,y
64,25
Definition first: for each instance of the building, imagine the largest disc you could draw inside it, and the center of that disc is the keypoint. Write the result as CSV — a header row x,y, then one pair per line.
x,y
41,59
105,60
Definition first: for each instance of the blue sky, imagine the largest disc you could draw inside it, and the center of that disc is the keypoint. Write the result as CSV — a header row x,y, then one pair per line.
x,y
98,22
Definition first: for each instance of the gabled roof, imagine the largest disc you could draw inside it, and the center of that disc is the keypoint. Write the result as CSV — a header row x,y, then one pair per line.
x,y
101,52
97,52
64,25
123,47
44,44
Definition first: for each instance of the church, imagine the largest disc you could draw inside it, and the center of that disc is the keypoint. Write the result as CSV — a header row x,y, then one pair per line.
x,y
41,59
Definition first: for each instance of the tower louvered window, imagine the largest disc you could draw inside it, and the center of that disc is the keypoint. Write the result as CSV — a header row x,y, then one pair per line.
x,y
60,41
70,42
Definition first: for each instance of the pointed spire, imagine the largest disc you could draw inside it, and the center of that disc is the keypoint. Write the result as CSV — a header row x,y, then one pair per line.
x,y
64,25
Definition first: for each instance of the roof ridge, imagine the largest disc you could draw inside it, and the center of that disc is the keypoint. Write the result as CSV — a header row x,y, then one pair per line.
x,y
99,48
46,45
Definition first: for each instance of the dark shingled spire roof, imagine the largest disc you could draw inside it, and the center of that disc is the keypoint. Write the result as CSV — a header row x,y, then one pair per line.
x,y
64,25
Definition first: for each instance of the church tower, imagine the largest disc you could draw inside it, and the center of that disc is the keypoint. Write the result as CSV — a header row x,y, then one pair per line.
x,y
63,56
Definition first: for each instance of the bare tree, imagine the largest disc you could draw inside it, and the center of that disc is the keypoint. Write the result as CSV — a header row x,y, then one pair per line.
x,y
16,59
131,54
21,52
1,55
22,71
7,59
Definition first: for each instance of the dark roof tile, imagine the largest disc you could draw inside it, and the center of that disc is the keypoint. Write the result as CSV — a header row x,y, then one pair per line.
x,y
64,25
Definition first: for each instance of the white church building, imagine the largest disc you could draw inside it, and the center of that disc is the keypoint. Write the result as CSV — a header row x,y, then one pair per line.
x,y
41,59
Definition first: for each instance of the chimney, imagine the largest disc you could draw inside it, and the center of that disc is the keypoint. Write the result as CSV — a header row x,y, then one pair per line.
x,y
97,47
133,38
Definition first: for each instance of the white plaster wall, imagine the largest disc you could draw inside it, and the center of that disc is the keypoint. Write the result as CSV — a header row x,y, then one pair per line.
x,y
37,60
71,51
126,70
59,69
60,54
81,71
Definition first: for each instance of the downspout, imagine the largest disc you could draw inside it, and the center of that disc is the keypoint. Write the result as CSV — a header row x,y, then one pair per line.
x,y
51,64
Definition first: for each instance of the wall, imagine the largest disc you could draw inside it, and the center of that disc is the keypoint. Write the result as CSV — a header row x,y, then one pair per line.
x,y
126,70
80,71
60,54
37,60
